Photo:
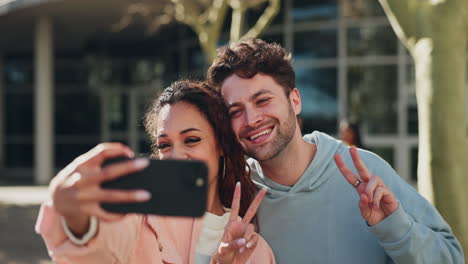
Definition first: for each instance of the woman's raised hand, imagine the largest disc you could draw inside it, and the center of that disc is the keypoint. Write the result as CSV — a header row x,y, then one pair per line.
x,y
76,190
239,239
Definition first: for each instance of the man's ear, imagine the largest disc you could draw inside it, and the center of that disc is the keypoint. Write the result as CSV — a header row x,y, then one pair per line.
x,y
295,99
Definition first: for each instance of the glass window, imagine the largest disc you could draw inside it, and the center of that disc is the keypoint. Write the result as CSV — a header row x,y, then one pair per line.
x,y
414,164
122,140
413,119
70,71
254,14
362,8
386,153
318,89
18,72
315,44
146,71
19,114
144,102
196,59
117,71
306,10
118,111
372,97
19,155
172,62
66,153
412,108
145,147
77,114
277,38
366,41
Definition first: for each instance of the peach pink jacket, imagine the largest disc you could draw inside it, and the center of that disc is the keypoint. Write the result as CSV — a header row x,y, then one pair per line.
x,y
134,239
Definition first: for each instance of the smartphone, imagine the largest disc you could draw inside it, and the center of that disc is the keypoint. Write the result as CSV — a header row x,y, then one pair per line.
x,y
177,187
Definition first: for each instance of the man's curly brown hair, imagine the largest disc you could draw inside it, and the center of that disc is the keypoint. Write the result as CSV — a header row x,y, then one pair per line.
x,y
249,57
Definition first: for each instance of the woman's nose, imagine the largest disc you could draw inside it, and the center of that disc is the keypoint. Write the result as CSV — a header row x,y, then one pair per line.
x,y
179,154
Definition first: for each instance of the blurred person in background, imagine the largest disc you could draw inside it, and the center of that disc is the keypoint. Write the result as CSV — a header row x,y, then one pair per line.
x,y
350,133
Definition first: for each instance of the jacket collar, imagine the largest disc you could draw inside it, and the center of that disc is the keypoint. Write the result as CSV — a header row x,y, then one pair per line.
x,y
169,252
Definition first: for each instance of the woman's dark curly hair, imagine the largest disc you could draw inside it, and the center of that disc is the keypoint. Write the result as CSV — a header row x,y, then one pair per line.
x,y
211,104
249,57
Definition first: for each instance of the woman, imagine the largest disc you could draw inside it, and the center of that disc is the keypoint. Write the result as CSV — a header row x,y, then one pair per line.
x,y
187,121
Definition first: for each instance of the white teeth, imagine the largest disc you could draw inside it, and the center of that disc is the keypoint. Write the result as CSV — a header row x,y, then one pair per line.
x,y
264,132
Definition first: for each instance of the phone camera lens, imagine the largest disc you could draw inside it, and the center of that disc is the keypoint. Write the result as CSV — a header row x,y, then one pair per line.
x,y
199,182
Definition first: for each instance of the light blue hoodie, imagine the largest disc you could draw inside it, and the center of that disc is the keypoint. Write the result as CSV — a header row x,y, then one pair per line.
x,y
318,219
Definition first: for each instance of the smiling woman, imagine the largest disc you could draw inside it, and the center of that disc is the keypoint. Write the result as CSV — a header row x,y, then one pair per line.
x,y
188,121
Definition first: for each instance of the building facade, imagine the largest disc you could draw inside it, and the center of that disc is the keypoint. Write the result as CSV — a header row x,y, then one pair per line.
x,y
69,79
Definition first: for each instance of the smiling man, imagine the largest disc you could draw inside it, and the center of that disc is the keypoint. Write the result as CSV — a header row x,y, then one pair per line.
x,y
326,202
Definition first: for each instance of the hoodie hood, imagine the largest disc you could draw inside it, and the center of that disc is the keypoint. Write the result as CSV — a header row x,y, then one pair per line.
x,y
313,176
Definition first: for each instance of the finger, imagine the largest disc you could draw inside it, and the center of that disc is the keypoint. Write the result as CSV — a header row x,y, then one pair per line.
x,y
117,170
390,201
229,247
359,164
235,203
345,171
105,151
252,242
249,232
364,206
379,192
372,184
254,206
122,196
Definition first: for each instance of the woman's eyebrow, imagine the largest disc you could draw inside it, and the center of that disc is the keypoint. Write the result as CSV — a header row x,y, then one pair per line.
x,y
189,130
181,132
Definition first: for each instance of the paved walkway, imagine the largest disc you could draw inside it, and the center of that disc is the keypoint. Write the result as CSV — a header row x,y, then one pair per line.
x,y
19,244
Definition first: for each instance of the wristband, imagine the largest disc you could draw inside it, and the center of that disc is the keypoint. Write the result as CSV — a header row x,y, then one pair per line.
x,y
93,223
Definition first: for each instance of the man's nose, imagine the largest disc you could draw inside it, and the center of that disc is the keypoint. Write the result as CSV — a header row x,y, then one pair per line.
x,y
252,117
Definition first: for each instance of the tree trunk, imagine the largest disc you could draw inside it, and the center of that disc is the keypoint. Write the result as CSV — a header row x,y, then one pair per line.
x,y
435,34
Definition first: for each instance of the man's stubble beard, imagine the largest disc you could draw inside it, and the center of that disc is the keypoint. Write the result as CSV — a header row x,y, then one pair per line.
x,y
285,134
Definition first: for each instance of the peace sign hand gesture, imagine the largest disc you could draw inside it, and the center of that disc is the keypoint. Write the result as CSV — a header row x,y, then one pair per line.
x,y
376,200
239,238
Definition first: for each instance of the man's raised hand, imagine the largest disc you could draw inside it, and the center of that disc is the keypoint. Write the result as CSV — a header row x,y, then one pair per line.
x,y
376,200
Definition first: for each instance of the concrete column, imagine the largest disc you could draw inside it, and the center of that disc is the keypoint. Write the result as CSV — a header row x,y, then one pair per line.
x,y
44,101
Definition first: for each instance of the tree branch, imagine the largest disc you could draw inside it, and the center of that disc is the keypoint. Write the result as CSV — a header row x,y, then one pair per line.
x,y
402,16
265,19
238,18
217,16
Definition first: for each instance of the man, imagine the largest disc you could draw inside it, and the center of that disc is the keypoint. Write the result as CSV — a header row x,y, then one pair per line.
x,y
312,214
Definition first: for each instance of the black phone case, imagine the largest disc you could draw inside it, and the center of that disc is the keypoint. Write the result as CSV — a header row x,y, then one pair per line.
x,y
178,188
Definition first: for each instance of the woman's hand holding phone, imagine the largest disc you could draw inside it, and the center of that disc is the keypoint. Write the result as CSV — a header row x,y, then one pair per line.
x,y
239,238
76,190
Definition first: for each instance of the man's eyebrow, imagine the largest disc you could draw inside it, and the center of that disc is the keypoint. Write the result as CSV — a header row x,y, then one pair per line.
x,y
259,93
181,132
253,97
